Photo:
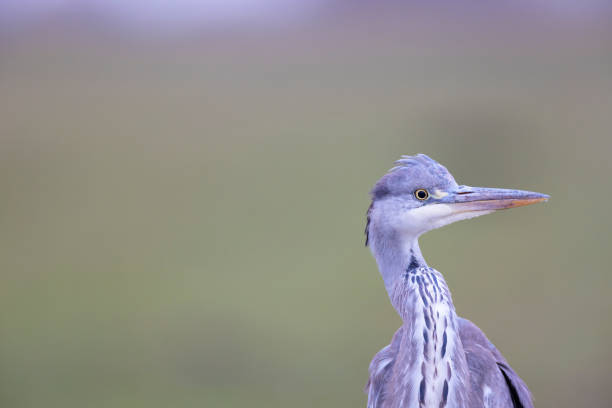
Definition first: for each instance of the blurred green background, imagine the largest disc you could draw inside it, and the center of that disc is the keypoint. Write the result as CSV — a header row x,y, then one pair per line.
x,y
181,217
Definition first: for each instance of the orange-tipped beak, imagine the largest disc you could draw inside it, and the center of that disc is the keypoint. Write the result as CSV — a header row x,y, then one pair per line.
x,y
488,199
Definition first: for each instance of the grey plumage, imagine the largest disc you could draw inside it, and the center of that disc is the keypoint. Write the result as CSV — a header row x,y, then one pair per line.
x,y
436,359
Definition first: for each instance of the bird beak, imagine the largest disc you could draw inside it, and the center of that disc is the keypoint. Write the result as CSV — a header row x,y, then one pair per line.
x,y
466,198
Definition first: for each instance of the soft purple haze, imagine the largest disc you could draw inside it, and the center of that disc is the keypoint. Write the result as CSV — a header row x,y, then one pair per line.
x,y
184,15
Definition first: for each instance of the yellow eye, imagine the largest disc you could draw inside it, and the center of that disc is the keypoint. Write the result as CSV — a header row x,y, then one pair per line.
x,y
421,194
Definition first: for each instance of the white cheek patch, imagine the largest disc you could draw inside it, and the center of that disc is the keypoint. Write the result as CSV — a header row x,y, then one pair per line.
x,y
430,212
431,216
421,219
438,194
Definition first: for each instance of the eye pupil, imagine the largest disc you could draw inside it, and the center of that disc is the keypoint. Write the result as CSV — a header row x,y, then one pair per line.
x,y
421,194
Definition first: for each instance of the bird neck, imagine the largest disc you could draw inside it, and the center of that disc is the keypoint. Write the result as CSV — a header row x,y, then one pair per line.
x,y
395,257
430,342
437,362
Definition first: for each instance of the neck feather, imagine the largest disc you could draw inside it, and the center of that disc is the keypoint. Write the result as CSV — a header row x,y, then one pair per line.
x,y
395,257
437,366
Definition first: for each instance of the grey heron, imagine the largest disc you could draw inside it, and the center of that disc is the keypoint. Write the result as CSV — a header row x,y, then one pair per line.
x,y
436,358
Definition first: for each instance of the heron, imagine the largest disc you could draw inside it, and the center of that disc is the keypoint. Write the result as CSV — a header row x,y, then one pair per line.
x,y
436,358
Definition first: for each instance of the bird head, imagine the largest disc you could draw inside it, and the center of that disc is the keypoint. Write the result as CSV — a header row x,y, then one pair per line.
x,y
419,195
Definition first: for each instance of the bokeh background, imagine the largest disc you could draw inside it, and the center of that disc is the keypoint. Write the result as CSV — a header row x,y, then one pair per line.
x,y
184,186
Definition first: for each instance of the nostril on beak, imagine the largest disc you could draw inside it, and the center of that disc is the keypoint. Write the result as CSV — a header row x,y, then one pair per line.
x,y
464,193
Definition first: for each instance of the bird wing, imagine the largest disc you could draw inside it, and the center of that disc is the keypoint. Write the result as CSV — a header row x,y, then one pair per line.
x,y
379,370
486,363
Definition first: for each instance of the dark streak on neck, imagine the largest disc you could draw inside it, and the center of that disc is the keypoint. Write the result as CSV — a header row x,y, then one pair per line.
x,y
414,264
